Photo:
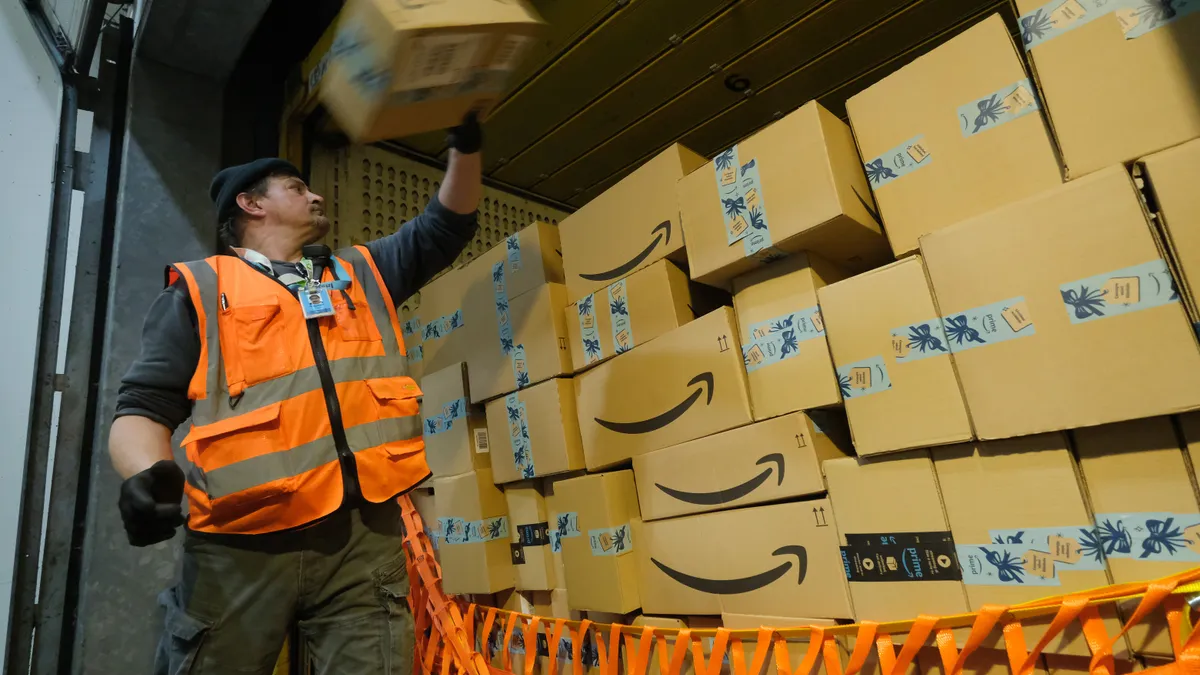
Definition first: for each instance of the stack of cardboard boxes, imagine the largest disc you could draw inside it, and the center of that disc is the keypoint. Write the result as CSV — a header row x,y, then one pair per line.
x,y
813,434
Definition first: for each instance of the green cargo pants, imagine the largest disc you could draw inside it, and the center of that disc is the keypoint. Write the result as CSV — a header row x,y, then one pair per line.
x,y
342,581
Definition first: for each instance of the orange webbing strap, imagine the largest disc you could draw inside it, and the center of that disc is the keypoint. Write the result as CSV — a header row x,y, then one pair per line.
x,y
738,653
1174,608
862,647
505,656
1097,638
917,636
640,652
1067,612
833,660
947,648
816,639
529,633
715,659
887,653
1014,645
552,646
610,653
577,647
682,640
984,623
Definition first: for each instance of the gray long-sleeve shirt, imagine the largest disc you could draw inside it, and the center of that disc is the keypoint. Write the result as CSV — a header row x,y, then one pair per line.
x,y
156,384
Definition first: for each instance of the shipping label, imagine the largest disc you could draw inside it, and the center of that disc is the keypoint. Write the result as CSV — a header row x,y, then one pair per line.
x,y
777,339
508,53
1005,105
439,60
862,378
589,334
618,310
989,324
903,159
460,531
915,556
444,420
1150,536
918,341
518,436
611,541
1128,290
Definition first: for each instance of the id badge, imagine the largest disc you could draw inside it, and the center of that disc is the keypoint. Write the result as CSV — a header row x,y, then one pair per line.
x,y
315,303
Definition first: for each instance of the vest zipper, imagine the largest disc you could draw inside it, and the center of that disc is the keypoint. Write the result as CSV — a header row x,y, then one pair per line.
x,y
351,492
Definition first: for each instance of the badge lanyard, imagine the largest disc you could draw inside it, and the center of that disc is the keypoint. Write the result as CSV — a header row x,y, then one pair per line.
x,y
314,295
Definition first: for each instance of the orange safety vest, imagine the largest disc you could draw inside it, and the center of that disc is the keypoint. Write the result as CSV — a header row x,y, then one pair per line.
x,y
278,400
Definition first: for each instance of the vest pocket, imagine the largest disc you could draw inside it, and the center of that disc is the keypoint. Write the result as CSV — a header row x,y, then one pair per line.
x,y
357,325
398,402
262,349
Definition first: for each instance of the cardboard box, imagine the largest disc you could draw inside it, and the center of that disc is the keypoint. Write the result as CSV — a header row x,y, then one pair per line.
x,y
535,432
1073,324
549,485
795,185
1136,94
685,384
1022,529
529,528
1141,491
434,332
560,606
762,462
474,528
594,516
954,134
787,360
1189,424
886,321
412,338
400,69
889,510
629,226
1065,664
627,313
758,560
1171,176
456,434
539,343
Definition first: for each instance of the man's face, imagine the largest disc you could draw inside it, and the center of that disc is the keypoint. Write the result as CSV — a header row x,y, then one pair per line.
x,y
289,202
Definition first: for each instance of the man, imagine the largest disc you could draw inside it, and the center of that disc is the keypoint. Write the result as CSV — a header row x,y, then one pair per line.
x,y
290,363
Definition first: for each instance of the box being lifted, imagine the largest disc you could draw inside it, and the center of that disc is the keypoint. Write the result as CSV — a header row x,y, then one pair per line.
x,y
401,68
796,185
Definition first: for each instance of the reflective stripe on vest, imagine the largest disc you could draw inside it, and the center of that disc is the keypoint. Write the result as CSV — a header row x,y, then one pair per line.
x,y
273,442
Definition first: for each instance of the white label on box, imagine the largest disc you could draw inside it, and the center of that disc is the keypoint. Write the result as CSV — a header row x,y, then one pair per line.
x,y
508,55
438,61
481,440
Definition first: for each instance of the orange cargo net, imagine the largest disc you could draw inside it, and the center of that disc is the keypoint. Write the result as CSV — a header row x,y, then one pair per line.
x,y
447,635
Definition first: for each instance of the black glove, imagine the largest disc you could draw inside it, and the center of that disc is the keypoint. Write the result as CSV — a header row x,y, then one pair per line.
x,y
149,503
467,137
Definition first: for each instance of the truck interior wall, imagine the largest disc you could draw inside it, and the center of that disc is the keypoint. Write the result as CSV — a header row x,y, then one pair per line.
x,y
30,96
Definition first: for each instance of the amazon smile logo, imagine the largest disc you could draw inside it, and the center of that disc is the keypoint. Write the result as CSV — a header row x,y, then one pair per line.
x,y
734,493
745,584
705,380
664,235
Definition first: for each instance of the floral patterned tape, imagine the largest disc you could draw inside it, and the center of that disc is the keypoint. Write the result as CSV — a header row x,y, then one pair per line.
x,y
776,339
989,324
618,310
611,540
742,204
1031,557
1150,536
862,378
589,334
999,107
444,421
460,531
903,159
566,525
1128,290
518,436
1134,17
919,340
442,326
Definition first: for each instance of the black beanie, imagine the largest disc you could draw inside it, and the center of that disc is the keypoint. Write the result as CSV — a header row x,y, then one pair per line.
x,y
229,183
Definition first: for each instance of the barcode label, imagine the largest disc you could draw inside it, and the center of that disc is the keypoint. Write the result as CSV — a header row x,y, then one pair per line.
x,y
439,61
508,55
481,440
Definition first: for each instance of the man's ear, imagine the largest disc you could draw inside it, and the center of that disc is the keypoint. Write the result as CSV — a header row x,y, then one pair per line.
x,y
249,204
